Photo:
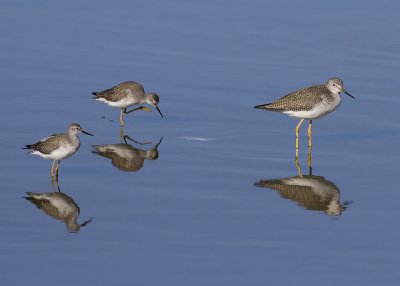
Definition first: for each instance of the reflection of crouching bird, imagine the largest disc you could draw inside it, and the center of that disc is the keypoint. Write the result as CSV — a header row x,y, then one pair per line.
x,y
59,206
126,157
310,192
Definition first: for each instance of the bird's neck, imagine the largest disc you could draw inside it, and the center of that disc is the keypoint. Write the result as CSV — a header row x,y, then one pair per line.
x,y
145,98
72,137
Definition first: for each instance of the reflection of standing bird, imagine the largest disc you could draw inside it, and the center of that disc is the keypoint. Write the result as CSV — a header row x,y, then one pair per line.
x,y
309,103
59,206
126,94
311,192
58,146
126,157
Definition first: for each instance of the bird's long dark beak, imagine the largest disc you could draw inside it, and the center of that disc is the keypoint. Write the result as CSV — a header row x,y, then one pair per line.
x,y
345,91
86,222
156,106
87,133
159,142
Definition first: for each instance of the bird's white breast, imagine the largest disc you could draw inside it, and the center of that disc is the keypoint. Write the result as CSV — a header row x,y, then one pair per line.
x,y
321,109
122,103
64,151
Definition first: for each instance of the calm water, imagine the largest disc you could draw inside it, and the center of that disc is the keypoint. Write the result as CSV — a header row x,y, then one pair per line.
x,y
189,211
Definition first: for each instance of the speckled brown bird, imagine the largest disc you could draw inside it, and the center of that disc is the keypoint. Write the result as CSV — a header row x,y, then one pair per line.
x,y
309,103
58,146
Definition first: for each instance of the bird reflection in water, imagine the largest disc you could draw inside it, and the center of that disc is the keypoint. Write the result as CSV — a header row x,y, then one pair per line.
x,y
309,191
126,157
59,206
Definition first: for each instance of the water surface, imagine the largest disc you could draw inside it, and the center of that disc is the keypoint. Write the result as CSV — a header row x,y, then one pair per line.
x,y
193,216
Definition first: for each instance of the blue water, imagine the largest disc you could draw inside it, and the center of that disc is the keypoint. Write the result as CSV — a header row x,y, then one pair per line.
x,y
192,216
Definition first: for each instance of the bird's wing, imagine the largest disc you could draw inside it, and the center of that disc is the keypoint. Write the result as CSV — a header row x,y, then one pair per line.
x,y
119,91
34,145
302,99
47,145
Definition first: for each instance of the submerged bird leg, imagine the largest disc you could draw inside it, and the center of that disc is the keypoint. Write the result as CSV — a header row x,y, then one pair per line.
x,y
309,160
297,134
120,117
58,185
58,166
309,134
52,184
296,162
121,133
52,169
138,108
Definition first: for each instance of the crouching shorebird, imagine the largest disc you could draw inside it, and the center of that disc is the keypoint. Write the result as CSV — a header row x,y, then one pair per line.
x,y
309,103
126,94
58,146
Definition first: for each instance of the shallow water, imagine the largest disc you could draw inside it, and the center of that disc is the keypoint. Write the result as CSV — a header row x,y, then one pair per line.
x,y
190,212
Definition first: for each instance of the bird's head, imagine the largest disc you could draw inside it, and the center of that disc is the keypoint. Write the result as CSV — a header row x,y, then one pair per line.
x,y
153,99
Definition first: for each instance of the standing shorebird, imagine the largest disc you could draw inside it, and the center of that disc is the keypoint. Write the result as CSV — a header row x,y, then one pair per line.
x,y
126,94
309,103
58,146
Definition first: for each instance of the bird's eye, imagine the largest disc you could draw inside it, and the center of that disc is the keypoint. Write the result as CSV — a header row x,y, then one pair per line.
x,y
334,84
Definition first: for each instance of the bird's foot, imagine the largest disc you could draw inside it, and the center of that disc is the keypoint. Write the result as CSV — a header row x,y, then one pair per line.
x,y
146,109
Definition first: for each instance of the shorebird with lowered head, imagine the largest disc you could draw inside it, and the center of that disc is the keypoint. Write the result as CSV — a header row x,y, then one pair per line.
x,y
309,103
126,94
58,147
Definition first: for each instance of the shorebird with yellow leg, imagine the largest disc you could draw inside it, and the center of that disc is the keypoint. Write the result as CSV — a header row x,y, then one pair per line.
x,y
126,94
58,147
309,103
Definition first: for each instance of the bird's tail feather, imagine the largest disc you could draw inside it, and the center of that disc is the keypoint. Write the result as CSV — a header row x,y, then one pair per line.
x,y
262,106
32,196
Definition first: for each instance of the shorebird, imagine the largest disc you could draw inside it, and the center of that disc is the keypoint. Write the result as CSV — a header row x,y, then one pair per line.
x,y
309,103
59,206
126,94
58,146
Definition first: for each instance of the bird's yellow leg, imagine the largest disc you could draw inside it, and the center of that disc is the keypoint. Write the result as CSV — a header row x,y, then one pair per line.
x,y
146,109
52,169
120,118
58,166
297,133
309,134
309,160
138,108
